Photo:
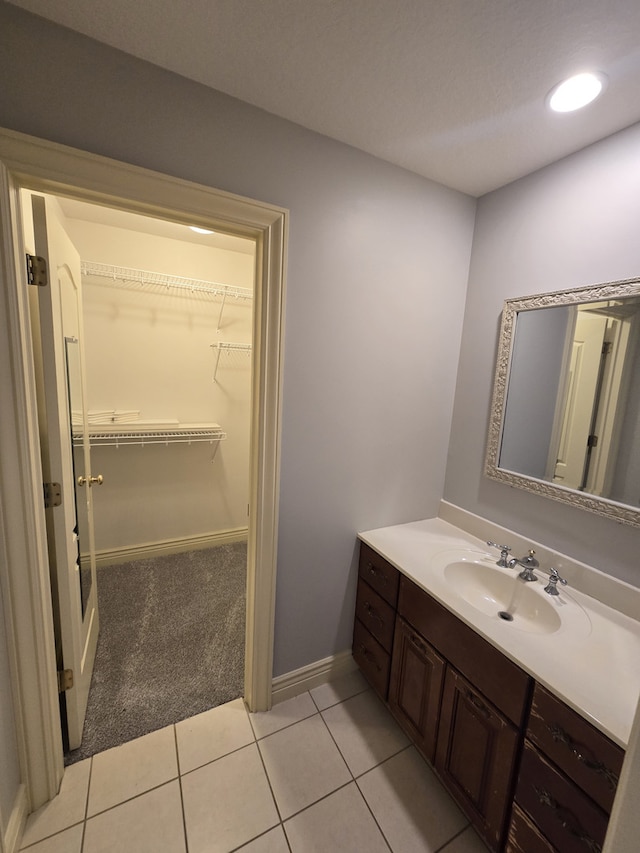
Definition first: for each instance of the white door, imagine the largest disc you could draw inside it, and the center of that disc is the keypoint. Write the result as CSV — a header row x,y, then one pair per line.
x,y
56,313
580,399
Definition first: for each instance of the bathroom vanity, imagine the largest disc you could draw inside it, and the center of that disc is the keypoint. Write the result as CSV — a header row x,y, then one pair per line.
x,y
524,718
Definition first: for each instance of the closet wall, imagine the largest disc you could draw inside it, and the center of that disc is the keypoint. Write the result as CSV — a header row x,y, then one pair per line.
x,y
148,349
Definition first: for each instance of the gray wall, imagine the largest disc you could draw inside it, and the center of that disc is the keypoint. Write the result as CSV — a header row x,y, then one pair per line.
x,y
571,224
377,275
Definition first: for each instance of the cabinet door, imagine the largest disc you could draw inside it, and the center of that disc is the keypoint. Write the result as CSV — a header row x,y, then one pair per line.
x,y
415,687
475,756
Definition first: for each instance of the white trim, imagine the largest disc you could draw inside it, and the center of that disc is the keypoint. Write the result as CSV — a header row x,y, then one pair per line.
x,y
17,820
313,675
47,167
25,573
115,556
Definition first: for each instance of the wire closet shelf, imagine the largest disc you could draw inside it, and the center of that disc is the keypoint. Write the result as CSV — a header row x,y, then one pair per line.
x,y
228,347
117,275
122,436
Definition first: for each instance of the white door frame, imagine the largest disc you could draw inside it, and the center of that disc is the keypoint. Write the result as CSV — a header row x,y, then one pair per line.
x,y
43,166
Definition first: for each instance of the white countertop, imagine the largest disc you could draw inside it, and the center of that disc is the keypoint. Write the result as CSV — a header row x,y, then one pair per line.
x,y
594,669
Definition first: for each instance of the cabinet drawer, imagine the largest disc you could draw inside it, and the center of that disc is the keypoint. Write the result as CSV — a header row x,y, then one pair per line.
x,y
499,679
580,750
564,814
524,836
379,574
372,659
374,612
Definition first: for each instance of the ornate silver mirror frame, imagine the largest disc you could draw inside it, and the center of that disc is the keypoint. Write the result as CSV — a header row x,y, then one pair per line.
x,y
577,498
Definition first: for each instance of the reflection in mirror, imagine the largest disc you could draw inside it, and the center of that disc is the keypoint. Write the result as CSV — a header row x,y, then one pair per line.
x,y
76,417
565,418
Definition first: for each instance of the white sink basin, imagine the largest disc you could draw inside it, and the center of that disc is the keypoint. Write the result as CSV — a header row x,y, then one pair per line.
x,y
499,593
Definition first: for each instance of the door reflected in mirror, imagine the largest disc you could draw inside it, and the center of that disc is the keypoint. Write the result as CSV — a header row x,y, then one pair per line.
x,y
565,419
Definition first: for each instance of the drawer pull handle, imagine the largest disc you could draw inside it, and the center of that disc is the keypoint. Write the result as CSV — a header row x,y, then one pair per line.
x,y
560,736
377,573
373,614
477,703
366,654
567,820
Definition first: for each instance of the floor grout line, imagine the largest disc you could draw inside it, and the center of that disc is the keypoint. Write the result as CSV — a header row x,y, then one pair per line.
x,y
281,821
184,816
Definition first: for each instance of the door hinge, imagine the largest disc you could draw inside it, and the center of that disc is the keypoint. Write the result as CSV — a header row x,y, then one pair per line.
x,y
592,441
37,271
65,680
52,495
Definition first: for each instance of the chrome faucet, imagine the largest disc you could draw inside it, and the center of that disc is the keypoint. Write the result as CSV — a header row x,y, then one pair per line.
x,y
504,553
528,563
552,586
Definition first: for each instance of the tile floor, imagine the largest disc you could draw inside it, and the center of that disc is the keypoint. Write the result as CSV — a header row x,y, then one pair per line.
x,y
324,772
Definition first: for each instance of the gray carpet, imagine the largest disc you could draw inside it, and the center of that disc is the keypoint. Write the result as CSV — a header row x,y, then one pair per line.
x,y
171,643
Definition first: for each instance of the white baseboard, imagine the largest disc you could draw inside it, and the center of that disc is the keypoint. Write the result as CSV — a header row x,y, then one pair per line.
x,y
307,677
113,556
16,822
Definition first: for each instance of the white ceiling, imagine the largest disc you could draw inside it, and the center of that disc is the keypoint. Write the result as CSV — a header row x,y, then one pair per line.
x,y
451,89
116,218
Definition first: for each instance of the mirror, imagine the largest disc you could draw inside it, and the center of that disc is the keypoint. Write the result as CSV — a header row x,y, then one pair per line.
x,y
565,414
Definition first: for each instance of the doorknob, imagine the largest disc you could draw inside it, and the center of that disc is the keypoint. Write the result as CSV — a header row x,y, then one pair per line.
x,y
82,481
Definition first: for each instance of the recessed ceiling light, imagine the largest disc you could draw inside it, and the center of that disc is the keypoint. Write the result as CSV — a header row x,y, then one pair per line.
x,y
576,92
200,230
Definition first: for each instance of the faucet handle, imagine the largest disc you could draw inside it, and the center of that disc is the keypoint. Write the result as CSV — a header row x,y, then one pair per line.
x,y
552,586
504,553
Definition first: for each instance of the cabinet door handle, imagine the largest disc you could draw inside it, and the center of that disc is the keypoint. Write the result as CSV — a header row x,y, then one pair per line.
x,y
477,703
373,614
567,820
375,572
560,736
418,643
366,654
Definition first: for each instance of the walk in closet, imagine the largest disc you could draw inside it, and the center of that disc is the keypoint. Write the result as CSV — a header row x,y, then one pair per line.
x,y
167,341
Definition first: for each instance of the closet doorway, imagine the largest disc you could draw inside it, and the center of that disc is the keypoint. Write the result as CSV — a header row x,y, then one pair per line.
x,y
157,393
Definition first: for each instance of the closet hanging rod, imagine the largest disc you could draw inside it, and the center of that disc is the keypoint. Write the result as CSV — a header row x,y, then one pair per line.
x,y
119,275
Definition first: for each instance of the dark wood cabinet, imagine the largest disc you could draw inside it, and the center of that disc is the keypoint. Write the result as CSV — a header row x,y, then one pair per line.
x,y
375,614
561,811
374,624
568,777
578,749
524,835
530,772
415,690
476,756
373,660
505,685
380,575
